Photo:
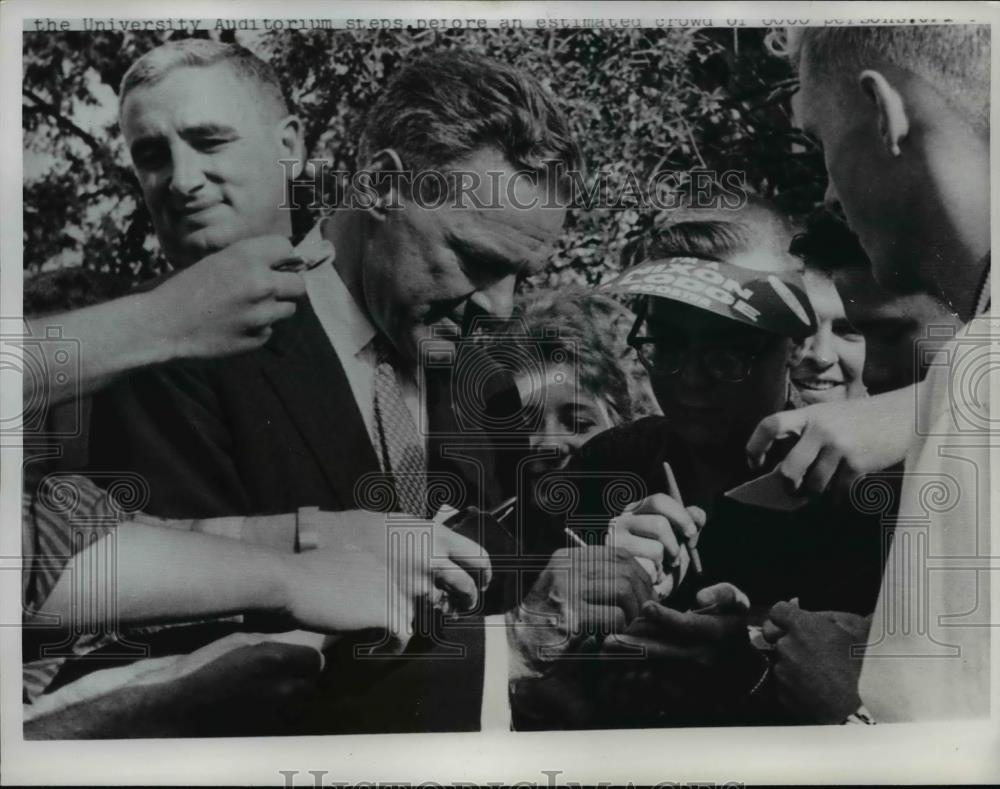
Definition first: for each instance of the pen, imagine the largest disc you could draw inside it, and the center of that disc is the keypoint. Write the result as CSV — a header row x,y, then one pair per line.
x,y
575,537
504,509
675,493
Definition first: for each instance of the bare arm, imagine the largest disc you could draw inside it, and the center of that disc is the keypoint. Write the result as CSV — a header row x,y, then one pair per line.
x,y
165,574
223,304
103,341
162,574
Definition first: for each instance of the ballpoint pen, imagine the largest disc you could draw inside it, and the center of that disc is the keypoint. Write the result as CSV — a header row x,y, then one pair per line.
x,y
675,493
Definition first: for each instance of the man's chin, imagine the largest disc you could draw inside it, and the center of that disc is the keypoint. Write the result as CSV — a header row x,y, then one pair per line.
x,y
206,241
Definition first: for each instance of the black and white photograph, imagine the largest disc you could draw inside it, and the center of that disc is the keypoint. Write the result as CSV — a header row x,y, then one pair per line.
x,y
615,371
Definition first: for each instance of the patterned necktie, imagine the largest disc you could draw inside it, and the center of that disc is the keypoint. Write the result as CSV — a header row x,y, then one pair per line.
x,y
400,444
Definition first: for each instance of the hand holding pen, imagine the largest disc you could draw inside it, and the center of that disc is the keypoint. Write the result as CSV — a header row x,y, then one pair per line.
x,y
659,530
690,541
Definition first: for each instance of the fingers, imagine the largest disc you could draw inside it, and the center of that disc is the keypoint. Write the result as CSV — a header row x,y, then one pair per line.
x,y
286,285
611,579
419,567
638,578
687,627
600,619
646,646
772,428
652,568
269,312
821,473
724,597
698,515
798,461
617,594
462,589
648,536
677,516
466,553
785,615
258,262
771,631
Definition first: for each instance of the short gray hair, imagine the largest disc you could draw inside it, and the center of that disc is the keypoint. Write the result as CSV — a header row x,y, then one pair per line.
x,y
953,58
201,52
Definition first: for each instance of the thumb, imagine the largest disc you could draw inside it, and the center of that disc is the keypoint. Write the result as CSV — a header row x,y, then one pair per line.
x,y
724,596
786,614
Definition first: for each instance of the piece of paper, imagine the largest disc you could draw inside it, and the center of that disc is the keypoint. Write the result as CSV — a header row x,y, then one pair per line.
x,y
769,492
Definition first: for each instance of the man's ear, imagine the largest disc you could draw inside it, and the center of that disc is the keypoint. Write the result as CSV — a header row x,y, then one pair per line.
x,y
893,121
289,137
381,193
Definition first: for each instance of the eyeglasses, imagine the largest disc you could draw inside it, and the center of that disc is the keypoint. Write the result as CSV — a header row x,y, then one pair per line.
x,y
668,356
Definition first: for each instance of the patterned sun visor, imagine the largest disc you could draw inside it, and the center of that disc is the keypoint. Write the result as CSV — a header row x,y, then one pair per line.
x,y
772,302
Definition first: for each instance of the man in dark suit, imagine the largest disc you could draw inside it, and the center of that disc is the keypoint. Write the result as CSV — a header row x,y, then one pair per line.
x,y
364,402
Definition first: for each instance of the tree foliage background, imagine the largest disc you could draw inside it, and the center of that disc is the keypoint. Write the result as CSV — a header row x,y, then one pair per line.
x,y
640,101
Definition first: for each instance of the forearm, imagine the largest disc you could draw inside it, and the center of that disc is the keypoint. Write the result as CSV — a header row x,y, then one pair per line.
x,y
895,411
161,574
278,532
103,342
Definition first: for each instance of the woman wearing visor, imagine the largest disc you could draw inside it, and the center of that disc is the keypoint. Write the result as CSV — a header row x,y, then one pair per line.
x,y
721,317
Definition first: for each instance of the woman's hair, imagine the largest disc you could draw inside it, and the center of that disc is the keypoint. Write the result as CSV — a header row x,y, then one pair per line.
x,y
585,331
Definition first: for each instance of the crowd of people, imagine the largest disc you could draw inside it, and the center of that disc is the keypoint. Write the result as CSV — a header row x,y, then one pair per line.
x,y
374,475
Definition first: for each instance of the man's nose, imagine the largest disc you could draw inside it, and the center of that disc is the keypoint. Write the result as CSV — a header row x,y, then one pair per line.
x,y
693,374
831,200
187,174
497,299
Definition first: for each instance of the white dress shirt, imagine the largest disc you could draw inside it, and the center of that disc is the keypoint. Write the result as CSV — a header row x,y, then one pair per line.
x,y
351,333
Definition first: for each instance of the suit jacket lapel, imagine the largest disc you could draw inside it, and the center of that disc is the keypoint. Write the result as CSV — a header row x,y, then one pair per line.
x,y
304,370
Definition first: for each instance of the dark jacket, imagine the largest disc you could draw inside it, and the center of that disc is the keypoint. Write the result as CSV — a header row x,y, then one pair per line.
x,y
277,429
830,557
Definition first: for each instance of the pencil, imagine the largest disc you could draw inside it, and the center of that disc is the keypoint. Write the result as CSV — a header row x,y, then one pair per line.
x,y
675,493
575,537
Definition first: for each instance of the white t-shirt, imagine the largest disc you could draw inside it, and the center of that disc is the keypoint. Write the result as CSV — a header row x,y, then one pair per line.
x,y
928,655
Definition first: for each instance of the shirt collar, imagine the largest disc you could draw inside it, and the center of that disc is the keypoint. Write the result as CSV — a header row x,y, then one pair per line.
x,y
349,329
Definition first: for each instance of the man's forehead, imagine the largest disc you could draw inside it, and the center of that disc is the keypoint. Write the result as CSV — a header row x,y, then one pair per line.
x,y
192,95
